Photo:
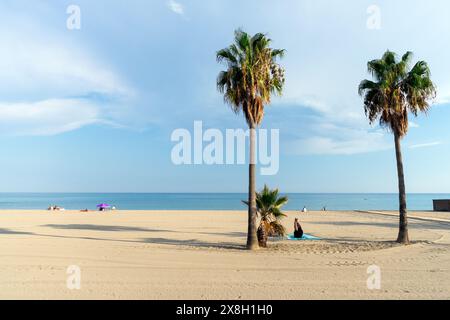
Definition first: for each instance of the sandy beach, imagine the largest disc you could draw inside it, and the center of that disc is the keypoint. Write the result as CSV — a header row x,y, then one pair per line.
x,y
200,255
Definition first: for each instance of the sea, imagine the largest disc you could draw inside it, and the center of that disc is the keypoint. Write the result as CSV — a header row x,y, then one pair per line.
x,y
213,201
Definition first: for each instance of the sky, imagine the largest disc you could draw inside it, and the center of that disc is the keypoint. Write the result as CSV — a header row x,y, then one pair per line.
x,y
92,109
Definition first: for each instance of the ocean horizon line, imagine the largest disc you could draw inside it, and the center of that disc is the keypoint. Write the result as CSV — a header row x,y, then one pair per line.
x,y
213,201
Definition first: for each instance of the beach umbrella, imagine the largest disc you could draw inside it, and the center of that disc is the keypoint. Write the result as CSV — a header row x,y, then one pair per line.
x,y
103,205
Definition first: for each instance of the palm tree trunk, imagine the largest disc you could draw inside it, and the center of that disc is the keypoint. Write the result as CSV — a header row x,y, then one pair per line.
x,y
403,236
252,240
262,236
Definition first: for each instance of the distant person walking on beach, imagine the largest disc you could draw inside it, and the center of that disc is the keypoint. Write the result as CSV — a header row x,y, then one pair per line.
x,y
298,231
304,210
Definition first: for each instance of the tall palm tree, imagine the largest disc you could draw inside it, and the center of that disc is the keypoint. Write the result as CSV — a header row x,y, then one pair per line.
x,y
251,77
268,204
397,90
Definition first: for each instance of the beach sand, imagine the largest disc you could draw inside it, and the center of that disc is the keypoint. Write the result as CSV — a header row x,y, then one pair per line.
x,y
200,255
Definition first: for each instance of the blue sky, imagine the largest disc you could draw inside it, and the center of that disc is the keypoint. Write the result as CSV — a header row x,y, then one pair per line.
x,y
93,109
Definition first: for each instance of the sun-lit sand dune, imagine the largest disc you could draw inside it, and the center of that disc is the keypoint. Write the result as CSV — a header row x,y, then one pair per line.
x,y
200,255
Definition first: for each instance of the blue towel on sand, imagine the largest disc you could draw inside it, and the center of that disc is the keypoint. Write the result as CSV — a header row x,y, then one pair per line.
x,y
305,237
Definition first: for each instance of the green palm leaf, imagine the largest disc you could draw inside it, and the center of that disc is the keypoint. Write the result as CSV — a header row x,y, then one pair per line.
x,y
252,74
397,90
269,204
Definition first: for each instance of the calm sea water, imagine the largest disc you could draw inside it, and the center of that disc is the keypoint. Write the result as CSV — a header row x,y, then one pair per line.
x,y
211,201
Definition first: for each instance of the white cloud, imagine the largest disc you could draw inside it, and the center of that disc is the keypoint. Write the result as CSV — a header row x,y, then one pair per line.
x,y
47,117
425,145
176,7
335,129
443,95
42,77
361,142
30,66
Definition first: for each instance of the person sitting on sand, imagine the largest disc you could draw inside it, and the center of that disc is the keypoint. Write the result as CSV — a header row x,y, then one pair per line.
x,y
304,210
298,231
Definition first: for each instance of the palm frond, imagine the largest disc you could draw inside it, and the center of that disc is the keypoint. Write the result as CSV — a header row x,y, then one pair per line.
x,y
269,204
252,75
396,90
